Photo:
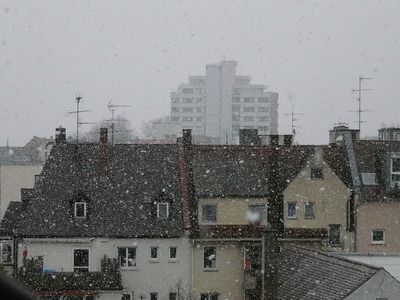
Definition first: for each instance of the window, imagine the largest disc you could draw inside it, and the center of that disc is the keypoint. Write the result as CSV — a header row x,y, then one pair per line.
x,y
316,173
309,210
209,213
263,100
263,109
187,100
173,296
209,296
235,99
198,100
235,118
292,210
334,234
210,258
174,109
199,119
175,119
175,100
154,252
172,252
248,119
153,296
378,236
235,108
127,296
198,109
187,91
6,255
187,109
127,257
263,119
248,109
162,210
395,170
187,119
368,178
80,210
81,260
256,213
248,100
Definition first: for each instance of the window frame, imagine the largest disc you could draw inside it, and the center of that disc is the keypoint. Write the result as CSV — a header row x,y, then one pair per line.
x,y
209,296
312,204
203,220
214,265
263,216
292,217
154,294
84,209
158,210
156,252
375,242
176,253
4,243
126,266
394,182
75,268
130,294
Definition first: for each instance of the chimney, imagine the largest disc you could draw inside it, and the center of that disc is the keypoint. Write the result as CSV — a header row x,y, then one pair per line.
x,y
287,140
60,135
270,256
274,140
103,153
249,137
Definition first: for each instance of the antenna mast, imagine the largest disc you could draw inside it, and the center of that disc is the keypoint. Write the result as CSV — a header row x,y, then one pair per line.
x,y
359,90
293,120
112,108
78,100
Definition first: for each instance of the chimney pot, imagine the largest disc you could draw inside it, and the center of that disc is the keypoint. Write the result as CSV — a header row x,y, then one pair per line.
x,y
103,135
60,135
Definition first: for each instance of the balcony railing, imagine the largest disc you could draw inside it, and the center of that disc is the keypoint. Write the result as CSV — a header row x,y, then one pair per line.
x,y
109,278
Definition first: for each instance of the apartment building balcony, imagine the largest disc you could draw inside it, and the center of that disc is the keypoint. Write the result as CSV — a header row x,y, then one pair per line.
x,y
57,283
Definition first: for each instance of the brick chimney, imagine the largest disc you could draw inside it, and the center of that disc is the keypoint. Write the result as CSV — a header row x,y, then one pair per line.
x,y
60,135
103,153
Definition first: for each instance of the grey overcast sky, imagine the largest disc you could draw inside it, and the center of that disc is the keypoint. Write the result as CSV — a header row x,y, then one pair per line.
x,y
136,52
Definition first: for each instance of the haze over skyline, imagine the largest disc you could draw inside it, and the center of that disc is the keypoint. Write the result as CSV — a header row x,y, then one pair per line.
x,y
136,53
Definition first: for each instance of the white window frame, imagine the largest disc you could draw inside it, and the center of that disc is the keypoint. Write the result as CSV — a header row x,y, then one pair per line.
x,y
377,242
126,266
4,243
203,221
155,259
393,182
130,294
295,211
212,268
158,209
84,210
73,260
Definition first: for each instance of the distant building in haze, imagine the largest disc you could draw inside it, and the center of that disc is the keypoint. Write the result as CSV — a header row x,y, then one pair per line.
x,y
216,105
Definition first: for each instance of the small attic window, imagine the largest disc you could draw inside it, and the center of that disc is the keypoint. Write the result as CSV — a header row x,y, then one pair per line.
x,y
316,173
395,169
368,178
80,210
162,210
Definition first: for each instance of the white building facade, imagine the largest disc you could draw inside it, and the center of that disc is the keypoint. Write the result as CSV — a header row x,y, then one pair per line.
x,y
217,105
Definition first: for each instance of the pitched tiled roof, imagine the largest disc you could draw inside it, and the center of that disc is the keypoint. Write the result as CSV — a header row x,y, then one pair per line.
x,y
309,274
120,204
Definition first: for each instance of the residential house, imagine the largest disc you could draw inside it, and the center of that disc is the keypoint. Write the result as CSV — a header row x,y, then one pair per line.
x,y
310,274
317,199
103,221
18,167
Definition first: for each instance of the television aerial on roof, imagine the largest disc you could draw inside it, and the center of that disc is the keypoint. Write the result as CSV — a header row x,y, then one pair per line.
x,y
78,100
112,108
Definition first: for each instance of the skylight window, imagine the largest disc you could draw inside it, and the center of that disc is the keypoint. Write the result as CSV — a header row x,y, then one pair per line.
x,y
80,210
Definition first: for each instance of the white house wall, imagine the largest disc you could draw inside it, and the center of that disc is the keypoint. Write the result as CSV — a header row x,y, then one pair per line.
x,y
148,276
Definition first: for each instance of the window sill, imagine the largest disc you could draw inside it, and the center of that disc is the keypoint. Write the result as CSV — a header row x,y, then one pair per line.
x,y
172,260
210,270
128,268
154,260
378,243
292,218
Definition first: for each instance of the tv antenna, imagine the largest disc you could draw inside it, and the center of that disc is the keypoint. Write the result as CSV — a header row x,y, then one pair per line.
x,y
112,108
78,100
293,115
359,90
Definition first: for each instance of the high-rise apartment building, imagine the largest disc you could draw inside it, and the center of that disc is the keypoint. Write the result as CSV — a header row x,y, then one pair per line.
x,y
217,105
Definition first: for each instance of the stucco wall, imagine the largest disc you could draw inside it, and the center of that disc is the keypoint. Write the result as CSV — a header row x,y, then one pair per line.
x,y
329,194
231,211
375,215
381,285
227,278
148,276
12,179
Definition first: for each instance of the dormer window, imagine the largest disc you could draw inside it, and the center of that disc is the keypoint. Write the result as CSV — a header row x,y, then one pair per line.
x,y
80,210
162,210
